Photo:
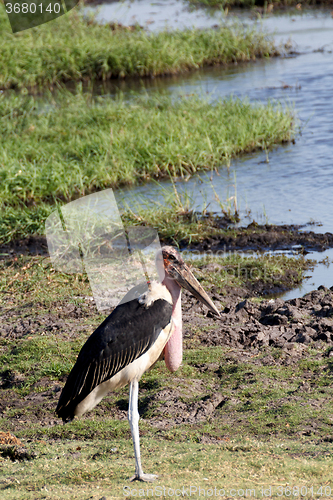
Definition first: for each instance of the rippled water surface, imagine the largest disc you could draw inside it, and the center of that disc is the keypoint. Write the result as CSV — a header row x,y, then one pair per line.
x,y
296,184
157,15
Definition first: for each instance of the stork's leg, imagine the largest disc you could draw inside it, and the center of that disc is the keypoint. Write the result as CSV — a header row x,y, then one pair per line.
x,y
133,418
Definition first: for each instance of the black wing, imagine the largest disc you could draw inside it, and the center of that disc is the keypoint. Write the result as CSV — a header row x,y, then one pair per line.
x,y
125,335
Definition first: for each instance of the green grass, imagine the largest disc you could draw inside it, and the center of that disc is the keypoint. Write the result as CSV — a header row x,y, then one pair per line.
x,y
68,471
20,222
251,465
244,271
273,428
270,432
33,280
77,145
72,49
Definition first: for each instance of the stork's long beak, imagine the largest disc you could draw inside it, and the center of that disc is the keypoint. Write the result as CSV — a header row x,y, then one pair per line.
x,y
185,278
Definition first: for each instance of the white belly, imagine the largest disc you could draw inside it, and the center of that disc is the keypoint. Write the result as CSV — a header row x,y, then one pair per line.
x,y
130,372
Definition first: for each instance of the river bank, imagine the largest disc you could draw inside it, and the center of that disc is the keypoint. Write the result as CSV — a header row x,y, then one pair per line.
x,y
251,406
80,144
80,50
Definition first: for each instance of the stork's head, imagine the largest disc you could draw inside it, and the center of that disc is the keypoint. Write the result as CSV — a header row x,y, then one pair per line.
x,y
176,269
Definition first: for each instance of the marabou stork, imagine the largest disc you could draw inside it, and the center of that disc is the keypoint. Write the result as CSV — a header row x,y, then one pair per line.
x,y
129,342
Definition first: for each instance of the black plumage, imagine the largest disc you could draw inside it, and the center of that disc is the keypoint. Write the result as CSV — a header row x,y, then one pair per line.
x,y
125,335
130,341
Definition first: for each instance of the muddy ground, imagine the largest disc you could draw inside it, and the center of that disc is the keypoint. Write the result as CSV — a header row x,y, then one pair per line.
x,y
265,237
244,326
275,322
247,326
254,237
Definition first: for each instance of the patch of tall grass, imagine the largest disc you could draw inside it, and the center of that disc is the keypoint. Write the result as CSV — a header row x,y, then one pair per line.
x,y
19,222
71,48
79,145
76,145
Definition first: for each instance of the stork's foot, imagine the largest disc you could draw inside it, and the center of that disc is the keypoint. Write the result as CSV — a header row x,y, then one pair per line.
x,y
148,478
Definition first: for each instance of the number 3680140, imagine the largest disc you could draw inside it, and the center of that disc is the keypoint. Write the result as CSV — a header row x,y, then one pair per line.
x,y
32,8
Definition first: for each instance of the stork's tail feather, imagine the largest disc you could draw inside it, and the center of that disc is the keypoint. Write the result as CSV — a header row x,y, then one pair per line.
x,y
65,413
67,420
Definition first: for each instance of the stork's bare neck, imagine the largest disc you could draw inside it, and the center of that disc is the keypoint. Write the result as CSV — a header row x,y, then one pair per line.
x,y
177,275
173,351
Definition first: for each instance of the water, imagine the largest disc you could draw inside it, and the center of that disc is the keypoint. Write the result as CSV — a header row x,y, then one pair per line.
x,y
157,15
296,185
320,275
